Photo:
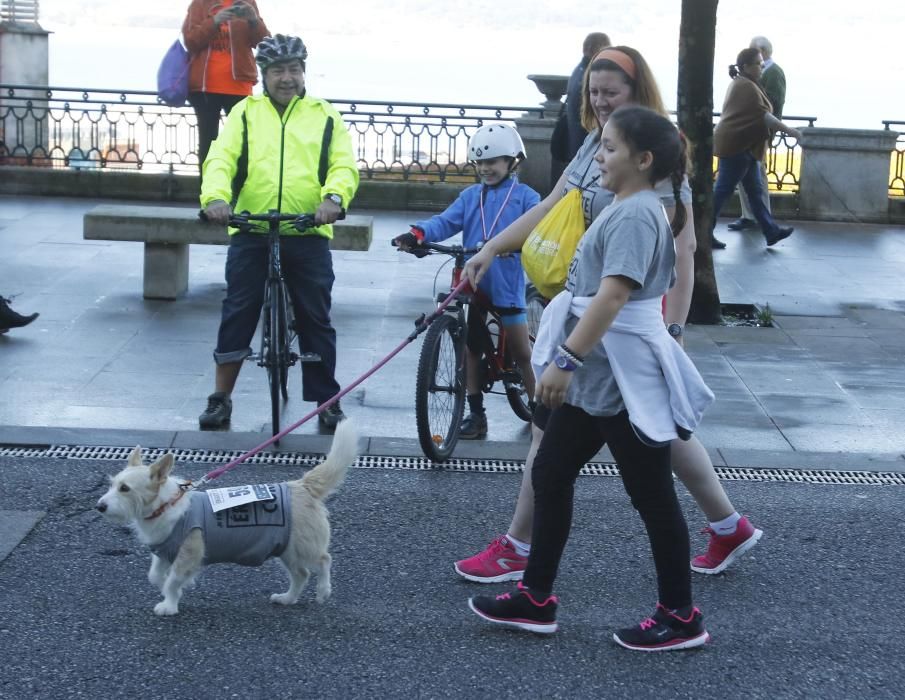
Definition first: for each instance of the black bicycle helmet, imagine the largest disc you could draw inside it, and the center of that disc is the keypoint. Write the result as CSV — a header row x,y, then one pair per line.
x,y
280,48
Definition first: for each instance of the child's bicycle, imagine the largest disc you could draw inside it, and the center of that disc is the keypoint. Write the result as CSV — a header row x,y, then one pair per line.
x,y
440,386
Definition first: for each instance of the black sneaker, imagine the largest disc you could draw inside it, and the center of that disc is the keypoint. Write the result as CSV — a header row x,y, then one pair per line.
x,y
331,416
781,234
11,319
666,630
716,243
741,224
520,610
474,426
218,412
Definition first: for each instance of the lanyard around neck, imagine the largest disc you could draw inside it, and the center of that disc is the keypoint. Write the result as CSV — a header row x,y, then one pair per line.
x,y
488,233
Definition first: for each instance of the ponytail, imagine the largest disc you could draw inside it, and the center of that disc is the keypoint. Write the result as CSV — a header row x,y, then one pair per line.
x,y
676,177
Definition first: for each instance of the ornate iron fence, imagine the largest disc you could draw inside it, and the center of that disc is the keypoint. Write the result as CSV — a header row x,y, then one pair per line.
x,y
897,168
84,128
63,127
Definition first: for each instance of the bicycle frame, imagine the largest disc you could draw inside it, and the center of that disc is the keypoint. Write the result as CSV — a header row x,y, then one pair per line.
x,y
277,319
494,353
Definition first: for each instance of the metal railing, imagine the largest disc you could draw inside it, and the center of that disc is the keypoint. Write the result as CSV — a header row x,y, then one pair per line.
x,y
897,169
19,11
82,128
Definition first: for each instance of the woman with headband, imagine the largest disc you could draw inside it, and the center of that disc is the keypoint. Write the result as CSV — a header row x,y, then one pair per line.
x,y
617,76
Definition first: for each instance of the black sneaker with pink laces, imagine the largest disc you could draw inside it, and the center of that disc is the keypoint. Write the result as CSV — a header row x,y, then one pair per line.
x,y
666,630
522,610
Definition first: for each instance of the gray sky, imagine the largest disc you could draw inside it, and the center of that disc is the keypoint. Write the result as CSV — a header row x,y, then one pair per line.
x,y
842,60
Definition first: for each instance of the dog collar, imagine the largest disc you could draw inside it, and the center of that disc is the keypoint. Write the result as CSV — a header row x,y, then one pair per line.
x,y
184,488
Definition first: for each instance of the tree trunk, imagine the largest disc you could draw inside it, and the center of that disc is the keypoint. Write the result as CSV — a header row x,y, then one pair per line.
x,y
697,38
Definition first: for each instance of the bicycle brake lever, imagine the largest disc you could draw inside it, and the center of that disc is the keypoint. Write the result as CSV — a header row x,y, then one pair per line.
x,y
304,222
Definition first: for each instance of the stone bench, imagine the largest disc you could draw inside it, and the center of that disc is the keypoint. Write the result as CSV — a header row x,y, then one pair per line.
x,y
168,231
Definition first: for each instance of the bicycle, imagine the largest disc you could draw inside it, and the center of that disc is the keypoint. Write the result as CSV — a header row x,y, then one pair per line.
x,y
278,332
440,386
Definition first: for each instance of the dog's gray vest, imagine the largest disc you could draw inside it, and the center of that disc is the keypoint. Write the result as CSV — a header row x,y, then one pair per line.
x,y
248,534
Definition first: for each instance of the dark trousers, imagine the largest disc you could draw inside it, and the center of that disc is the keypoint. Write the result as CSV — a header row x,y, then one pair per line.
x,y
744,169
308,270
208,106
572,437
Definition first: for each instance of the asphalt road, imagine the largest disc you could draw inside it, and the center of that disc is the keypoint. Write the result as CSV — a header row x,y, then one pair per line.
x,y
812,612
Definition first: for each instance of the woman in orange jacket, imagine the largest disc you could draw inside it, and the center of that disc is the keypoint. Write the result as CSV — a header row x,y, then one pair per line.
x,y
220,36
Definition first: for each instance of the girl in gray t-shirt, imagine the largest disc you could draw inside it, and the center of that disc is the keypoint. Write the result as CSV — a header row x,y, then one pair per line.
x,y
626,256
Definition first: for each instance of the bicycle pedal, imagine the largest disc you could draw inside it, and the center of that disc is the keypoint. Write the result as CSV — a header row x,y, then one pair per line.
x,y
309,357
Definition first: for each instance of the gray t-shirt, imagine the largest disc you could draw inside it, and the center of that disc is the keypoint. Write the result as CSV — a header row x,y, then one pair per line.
x,y
584,173
631,239
248,534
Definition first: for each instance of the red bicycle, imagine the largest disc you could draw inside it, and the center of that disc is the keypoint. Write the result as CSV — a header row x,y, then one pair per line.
x,y
440,387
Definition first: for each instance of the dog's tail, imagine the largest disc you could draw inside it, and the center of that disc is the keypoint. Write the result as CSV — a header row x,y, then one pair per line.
x,y
326,477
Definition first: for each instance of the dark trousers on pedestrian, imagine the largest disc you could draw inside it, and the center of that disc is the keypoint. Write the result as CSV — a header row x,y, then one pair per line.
x,y
745,169
571,438
307,267
208,106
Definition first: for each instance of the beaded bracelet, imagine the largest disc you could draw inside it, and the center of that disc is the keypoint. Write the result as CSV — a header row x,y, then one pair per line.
x,y
573,357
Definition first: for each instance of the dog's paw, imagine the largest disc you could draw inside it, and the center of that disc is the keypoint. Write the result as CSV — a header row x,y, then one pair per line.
x,y
283,599
322,595
163,609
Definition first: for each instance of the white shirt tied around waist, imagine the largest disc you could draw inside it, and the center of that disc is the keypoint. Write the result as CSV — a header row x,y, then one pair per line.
x,y
663,391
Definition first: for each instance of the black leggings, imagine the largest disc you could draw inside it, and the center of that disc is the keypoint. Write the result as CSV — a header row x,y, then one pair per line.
x,y
207,106
572,437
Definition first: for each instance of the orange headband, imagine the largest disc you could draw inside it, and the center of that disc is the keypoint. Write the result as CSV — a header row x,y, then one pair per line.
x,y
620,58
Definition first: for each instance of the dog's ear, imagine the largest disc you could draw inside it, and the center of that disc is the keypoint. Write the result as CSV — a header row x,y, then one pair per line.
x,y
161,469
135,457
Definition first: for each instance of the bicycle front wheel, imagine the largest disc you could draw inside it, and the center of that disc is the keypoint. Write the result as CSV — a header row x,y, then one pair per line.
x,y
287,322
440,389
272,333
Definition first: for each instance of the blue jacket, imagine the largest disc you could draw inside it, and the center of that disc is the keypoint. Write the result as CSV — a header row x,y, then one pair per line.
x,y
504,282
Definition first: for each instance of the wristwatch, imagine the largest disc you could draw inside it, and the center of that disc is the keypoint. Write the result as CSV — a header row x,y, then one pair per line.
x,y
564,363
336,199
675,330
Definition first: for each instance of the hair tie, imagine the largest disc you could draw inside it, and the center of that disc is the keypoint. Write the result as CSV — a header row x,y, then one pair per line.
x,y
620,58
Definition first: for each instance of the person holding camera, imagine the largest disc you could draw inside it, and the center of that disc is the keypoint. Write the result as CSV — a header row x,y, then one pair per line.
x,y
220,36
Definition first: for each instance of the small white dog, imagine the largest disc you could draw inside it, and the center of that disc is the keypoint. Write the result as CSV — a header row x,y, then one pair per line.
x,y
185,534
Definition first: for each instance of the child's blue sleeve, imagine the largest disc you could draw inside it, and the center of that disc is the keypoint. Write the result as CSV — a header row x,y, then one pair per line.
x,y
532,198
445,225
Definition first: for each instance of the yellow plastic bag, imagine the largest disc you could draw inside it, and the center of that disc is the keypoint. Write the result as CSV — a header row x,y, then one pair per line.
x,y
549,249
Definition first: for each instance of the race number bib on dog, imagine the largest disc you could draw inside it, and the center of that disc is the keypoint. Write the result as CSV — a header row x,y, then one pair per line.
x,y
232,496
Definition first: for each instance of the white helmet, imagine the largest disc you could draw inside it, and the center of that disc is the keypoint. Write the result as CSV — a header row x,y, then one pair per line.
x,y
494,140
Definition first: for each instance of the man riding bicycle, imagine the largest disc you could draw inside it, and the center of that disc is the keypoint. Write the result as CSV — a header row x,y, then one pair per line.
x,y
289,151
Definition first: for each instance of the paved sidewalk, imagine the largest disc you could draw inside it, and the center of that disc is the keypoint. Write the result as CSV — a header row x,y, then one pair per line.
x,y
824,388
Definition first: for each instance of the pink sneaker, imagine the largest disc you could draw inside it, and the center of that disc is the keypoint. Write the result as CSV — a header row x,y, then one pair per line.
x,y
725,549
499,562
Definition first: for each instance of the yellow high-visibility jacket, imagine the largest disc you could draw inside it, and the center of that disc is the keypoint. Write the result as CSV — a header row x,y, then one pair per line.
x,y
284,156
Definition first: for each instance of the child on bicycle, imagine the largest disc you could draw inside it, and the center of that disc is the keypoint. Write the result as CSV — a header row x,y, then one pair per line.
x,y
611,374
480,212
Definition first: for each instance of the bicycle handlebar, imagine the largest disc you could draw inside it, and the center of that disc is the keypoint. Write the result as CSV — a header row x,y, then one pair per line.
x,y
445,249
245,220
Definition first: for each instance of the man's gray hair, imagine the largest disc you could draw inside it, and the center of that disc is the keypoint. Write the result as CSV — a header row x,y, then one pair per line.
x,y
763,44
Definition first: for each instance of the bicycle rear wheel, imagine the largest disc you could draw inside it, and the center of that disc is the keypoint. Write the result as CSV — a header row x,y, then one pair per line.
x,y
440,388
516,392
535,303
273,349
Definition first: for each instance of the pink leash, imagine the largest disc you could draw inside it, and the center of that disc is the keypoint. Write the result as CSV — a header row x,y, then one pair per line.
x,y
420,326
